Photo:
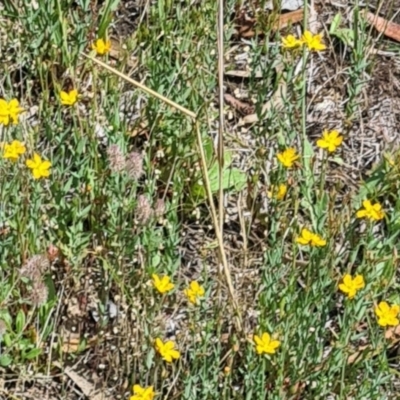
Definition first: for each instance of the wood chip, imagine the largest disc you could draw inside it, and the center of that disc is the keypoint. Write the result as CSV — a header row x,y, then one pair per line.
x,y
382,25
238,105
243,74
288,19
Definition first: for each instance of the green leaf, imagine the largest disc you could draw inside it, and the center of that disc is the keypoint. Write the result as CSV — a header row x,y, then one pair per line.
x,y
155,260
208,151
52,289
335,24
5,360
20,321
227,159
237,179
7,340
32,354
107,14
6,317
346,35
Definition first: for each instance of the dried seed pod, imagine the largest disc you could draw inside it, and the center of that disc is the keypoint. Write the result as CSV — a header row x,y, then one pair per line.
x,y
134,165
116,158
35,266
143,210
39,293
159,208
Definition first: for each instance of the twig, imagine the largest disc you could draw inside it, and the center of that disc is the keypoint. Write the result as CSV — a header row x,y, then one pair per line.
x,y
221,128
220,150
171,103
220,240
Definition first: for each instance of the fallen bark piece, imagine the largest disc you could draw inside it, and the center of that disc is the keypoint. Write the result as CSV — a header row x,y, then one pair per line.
x,y
382,25
288,19
238,105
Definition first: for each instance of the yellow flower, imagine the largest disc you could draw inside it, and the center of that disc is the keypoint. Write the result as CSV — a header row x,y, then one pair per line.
x,y
10,111
4,115
265,344
313,42
14,110
166,350
290,42
69,98
350,286
40,168
14,150
141,393
387,315
277,193
194,291
163,285
288,157
307,237
330,140
101,46
372,212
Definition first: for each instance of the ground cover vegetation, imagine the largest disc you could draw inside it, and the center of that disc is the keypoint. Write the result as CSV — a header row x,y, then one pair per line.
x,y
116,280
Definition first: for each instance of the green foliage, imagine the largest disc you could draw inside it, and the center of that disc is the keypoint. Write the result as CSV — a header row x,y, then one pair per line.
x,y
233,178
90,213
346,35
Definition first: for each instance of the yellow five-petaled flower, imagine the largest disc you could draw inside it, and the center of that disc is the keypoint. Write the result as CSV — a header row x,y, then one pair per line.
x,y
194,292
9,111
101,46
142,393
167,350
277,192
40,168
69,98
308,237
350,285
13,150
387,315
313,42
265,344
330,140
163,285
288,157
291,42
371,211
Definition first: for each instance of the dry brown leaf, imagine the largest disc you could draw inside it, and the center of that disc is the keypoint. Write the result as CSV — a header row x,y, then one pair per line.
x,y
116,53
238,105
86,387
70,346
392,332
382,25
353,358
72,341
